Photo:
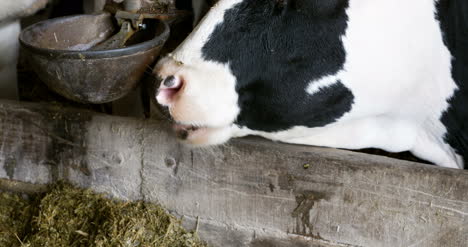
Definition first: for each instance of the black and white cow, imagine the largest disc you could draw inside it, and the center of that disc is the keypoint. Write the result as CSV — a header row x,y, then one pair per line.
x,y
388,74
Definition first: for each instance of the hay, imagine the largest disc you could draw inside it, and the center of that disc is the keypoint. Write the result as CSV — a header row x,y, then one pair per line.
x,y
67,216
15,216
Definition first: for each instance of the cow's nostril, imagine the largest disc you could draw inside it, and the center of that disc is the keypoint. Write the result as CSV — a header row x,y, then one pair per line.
x,y
168,90
182,134
170,81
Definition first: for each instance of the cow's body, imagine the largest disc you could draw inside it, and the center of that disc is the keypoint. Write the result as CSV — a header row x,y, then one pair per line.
x,y
387,74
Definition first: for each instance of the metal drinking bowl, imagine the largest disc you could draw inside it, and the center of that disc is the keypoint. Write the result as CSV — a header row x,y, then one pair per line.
x,y
58,51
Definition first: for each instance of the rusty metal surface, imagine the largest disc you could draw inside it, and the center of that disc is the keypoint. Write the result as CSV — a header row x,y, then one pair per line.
x,y
168,16
58,51
161,9
118,40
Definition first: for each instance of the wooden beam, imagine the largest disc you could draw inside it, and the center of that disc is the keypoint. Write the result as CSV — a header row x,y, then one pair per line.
x,y
250,192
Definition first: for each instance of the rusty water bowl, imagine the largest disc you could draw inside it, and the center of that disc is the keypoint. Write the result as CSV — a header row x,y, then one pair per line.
x,y
58,51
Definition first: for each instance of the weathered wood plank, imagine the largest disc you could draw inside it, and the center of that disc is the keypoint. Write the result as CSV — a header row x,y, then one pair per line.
x,y
251,192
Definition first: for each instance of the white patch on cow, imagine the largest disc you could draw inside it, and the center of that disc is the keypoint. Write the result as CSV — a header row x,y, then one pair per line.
x,y
399,71
326,81
433,147
353,134
400,67
208,97
209,136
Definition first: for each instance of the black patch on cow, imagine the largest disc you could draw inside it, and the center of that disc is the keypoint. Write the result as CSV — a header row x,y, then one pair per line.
x,y
453,17
275,48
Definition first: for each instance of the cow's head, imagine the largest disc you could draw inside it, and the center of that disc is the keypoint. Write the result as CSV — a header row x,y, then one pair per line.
x,y
265,65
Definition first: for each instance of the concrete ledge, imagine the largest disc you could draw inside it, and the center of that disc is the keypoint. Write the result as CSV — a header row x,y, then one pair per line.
x,y
250,192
